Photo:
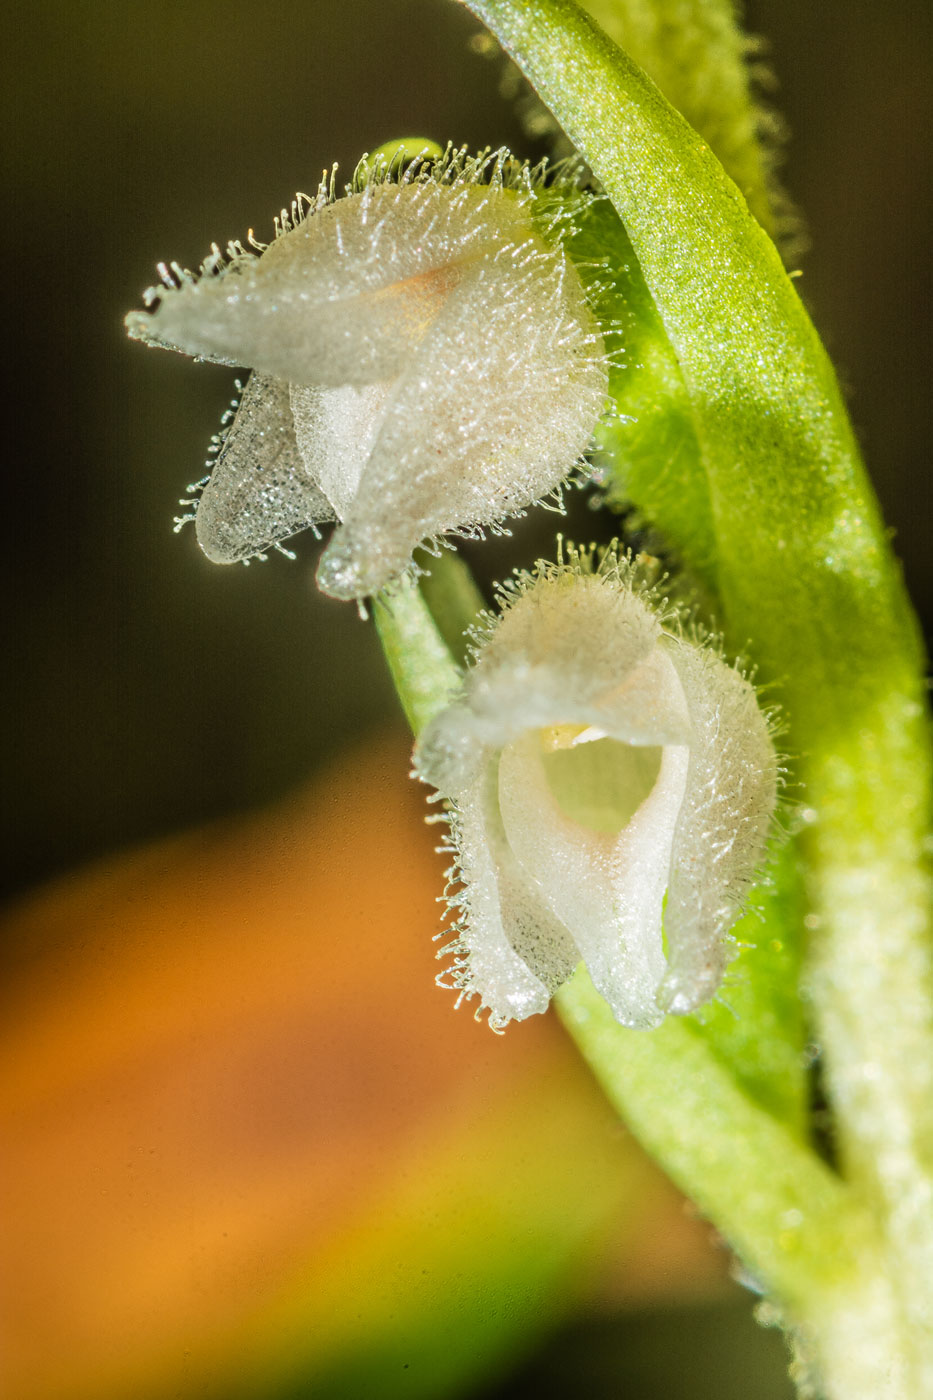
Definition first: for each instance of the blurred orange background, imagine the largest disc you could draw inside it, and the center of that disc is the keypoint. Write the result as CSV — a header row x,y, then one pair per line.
x,y
247,1137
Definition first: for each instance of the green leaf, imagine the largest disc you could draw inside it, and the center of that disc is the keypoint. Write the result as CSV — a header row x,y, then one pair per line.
x,y
647,448
756,1025
792,510
696,53
804,574
780,1207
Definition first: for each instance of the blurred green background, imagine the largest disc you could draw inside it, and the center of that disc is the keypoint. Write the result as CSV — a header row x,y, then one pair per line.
x,y
149,690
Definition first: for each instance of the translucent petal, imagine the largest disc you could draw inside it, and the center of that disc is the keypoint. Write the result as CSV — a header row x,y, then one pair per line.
x,y
490,415
336,430
728,805
569,649
259,491
511,952
608,890
579,651
446,369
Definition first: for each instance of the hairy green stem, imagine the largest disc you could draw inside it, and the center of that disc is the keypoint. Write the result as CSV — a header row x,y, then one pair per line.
x,y
797,1228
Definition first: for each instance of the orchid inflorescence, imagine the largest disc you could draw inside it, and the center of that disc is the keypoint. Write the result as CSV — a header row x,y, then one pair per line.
x,y
426,359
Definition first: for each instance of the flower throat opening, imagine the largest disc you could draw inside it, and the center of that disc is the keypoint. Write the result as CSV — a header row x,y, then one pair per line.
x,y
596,781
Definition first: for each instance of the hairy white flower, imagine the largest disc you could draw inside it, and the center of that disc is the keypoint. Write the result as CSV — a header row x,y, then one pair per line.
x,y
610,787
424,361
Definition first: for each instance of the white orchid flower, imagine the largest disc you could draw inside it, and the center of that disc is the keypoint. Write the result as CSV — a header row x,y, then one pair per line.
x,y
610,786
424,362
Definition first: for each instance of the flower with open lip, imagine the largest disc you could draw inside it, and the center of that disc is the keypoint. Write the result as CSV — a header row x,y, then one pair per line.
x,y
424,361
610,786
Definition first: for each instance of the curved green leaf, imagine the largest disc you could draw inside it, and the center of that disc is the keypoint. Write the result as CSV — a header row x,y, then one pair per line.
x,y
647,448
757,1025
766,403
697,55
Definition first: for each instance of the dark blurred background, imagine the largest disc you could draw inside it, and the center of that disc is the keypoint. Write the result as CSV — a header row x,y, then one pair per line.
x,y
147,689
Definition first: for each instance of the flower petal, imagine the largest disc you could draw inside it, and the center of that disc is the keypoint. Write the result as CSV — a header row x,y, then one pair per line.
x,y
510,952
259,491
493,412
727,810
335,430
566,646
540,891
607,890
446,369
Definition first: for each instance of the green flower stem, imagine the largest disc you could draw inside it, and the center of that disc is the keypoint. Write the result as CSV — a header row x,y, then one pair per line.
x,y
797,1227
453,599
420,663
806,582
